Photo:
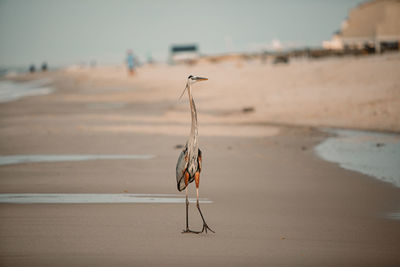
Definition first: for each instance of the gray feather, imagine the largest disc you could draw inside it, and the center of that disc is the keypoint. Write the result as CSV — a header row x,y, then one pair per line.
x,y
181,167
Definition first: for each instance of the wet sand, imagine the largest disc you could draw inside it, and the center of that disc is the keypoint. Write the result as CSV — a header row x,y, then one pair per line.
x,y
274,202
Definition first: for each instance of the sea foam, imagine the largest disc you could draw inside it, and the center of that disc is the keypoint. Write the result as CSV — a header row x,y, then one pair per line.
x,y
371,153
11,91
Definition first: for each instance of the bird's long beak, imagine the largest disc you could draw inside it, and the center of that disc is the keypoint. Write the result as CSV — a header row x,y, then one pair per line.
x,y
200,79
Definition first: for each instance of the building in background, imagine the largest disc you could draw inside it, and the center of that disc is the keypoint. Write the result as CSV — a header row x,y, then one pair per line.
x,y
184,54
374,25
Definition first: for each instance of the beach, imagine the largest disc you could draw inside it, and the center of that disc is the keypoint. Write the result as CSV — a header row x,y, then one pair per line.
x,y
272,199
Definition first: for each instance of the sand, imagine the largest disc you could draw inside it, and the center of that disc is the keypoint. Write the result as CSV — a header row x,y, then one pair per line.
x,y
353,92
274,201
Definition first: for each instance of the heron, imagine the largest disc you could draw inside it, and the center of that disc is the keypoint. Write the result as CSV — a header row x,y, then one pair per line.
x,y
189,163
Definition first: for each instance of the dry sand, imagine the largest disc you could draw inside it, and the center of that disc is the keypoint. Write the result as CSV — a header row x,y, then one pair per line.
x,y
354,92
274,201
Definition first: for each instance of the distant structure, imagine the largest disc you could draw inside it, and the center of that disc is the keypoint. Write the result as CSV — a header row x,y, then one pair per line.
x,y
32,68
44,66
184,54
374,25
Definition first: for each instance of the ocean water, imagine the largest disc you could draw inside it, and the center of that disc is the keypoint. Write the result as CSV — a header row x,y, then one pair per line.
x,y
29,198
18,159
11,91
371,153
12,71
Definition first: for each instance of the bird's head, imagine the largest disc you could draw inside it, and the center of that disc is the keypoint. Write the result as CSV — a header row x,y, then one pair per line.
x,y
191,80
194,79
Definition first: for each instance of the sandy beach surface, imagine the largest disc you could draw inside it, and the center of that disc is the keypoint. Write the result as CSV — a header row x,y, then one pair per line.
x,y
274,201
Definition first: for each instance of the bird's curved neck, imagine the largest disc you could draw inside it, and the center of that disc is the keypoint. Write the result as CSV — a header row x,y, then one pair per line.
x,y
193,129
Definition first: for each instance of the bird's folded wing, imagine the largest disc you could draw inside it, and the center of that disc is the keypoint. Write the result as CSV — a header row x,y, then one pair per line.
x,y
181,167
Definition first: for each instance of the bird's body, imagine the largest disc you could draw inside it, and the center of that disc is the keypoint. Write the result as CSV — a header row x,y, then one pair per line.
x,y
188,160
188,167
191,166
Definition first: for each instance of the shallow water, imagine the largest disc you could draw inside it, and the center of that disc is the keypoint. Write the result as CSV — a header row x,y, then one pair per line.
x,y
10,91
17,159
371,153
29,198
393,216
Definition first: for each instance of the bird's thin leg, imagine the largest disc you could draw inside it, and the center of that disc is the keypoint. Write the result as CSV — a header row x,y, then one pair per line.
x,y
187,209
187,230
205,226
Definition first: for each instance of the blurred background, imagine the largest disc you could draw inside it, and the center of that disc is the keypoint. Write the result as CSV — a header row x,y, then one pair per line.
x,y
70,32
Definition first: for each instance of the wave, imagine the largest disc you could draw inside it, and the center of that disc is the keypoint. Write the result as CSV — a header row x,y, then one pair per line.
x,y
11,91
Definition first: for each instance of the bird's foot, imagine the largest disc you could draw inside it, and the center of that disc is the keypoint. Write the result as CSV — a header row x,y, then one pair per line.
x,y
188,231
205,228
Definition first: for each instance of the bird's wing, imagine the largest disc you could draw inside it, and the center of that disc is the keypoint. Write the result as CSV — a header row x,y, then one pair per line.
x,y
181,167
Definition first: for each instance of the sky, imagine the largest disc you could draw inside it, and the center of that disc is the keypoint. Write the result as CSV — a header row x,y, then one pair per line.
x,y
73,31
